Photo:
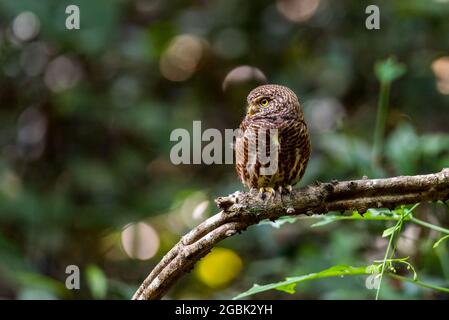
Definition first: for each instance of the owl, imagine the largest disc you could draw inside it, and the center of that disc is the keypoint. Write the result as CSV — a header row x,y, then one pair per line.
x,y
272,146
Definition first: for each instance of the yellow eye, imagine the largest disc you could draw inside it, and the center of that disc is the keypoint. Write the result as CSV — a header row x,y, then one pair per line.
x,y
264,102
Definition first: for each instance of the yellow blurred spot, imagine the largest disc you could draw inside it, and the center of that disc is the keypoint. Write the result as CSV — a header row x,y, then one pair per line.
x,y
219,267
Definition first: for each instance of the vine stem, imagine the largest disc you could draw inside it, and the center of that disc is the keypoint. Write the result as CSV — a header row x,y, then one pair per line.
x,y
418,283
384,263
381,119
429,225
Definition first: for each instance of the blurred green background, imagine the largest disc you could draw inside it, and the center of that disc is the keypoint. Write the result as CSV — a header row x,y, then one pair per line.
x,y
86,116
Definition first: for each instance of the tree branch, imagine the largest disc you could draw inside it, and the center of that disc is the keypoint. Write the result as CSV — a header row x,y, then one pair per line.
x,y
243,209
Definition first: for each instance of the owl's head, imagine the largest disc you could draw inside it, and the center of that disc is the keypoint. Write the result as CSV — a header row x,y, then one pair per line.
x,y
272,99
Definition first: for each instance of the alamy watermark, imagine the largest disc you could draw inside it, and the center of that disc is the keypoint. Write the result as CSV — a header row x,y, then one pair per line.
x,y
372,22
72,281
73,19
259,146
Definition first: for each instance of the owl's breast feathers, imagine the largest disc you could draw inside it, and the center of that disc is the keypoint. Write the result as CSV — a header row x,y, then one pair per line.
x,y
291,151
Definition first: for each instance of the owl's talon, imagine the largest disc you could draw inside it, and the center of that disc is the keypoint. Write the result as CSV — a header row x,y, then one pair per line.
x,y
287,202
288,189
261,194
272,193
267,190
280,190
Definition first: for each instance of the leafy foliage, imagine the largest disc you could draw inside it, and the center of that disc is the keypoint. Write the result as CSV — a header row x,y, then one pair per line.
x,y
377,269
289,284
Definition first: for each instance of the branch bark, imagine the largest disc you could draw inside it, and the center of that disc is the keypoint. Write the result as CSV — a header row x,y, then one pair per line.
x,y
243,209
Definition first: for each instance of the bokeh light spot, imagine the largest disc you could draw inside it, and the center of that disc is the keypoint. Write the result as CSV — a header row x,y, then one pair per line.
x,y
324,114
62,73
219,267
440,68
31,130
140,241
180,60
10,184
200,210
297,10
193,208
25,26
243,74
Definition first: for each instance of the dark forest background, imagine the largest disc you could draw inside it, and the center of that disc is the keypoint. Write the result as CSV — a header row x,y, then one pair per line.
x,y
86,116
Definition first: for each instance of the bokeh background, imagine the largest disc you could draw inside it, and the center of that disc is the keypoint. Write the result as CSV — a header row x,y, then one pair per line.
x,y
86,116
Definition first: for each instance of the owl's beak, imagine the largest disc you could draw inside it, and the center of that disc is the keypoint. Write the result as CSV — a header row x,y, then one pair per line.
x,y
251,109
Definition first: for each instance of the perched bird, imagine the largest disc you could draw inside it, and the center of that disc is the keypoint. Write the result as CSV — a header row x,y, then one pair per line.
x,y
275,122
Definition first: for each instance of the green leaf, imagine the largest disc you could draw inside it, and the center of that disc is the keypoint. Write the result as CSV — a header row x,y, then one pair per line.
x,y
436,244
326,220
41,283
35,294
97,282
389,231
281,221
289,284
432,144
332,218
371,214
289,288
389,70
402,149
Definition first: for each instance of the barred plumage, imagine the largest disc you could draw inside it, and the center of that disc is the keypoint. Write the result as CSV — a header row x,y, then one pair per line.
x,y
272,108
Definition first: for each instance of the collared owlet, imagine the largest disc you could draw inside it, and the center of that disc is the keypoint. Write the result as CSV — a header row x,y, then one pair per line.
x,y
272,145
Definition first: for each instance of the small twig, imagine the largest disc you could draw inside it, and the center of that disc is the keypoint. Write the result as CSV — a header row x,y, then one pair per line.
x,y
243,209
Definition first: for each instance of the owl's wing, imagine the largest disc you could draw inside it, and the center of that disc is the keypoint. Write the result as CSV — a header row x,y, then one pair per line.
x,y
294,150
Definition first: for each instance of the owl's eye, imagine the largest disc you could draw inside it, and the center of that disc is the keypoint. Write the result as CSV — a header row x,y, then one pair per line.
x,y
264,102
